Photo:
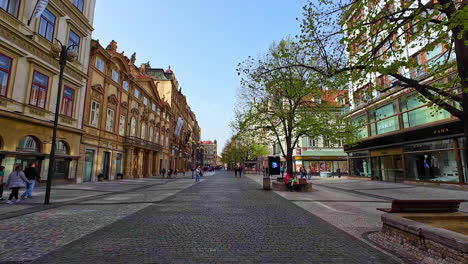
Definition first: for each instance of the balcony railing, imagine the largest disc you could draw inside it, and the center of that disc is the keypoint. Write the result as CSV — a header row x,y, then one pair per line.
x,y
138,142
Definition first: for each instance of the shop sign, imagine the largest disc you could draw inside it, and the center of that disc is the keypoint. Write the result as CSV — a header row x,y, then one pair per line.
x,y
386,152
441,131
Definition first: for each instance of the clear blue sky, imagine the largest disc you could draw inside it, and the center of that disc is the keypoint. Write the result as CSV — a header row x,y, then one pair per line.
x,y
202,41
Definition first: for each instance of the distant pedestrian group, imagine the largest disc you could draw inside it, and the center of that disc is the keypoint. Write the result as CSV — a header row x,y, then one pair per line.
x,y
19,179
238,171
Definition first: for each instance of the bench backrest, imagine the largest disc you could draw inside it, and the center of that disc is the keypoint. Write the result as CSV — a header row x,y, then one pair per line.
x,y
425,206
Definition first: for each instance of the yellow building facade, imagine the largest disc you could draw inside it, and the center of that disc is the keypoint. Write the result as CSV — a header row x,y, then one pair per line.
x,y
29,83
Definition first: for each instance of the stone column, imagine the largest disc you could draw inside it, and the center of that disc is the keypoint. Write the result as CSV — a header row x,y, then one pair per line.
x,y
140,164
128,163
150,164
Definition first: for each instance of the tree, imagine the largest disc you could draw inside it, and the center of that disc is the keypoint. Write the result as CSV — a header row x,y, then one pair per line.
x,y
367,38
241,148
276,104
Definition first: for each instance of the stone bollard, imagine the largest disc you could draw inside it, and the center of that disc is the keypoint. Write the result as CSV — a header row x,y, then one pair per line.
x,y
266,183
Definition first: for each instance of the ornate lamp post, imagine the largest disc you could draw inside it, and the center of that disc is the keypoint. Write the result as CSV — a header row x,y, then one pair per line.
x,y
64,53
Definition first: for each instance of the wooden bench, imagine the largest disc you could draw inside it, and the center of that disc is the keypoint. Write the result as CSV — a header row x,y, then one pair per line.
x,y
423,206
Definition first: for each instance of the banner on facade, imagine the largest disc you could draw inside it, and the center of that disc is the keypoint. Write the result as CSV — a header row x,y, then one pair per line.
x,y
178,129
38,9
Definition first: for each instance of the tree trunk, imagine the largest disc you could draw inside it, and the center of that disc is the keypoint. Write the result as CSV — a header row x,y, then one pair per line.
x,y
289,157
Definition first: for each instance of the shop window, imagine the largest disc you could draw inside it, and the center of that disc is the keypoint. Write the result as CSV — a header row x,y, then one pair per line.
x,y
99,65
133,127
78,4
5,71
110,120
125,85
122,125
47,25
74,39
95,108
383,119
67,101
359,167
419,113
11,6
61,148
28,144
143,130
38,90
115,76
438,166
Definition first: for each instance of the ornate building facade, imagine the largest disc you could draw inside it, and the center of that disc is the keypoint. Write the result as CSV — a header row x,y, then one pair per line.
x,y
29,77
127,125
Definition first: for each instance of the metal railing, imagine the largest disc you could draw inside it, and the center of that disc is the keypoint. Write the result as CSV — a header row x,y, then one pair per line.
x,y
138,142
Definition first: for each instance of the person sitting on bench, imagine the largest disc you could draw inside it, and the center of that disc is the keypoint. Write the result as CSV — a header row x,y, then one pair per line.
x,y
291,182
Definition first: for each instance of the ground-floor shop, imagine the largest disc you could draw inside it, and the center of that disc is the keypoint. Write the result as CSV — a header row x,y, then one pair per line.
x,y
26,143
322,164
417,156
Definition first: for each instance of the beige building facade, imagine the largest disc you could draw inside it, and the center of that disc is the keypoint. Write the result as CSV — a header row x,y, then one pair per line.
x,y
29,81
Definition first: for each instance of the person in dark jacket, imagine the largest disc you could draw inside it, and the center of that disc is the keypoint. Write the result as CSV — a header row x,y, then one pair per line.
x,y
2,173
32,175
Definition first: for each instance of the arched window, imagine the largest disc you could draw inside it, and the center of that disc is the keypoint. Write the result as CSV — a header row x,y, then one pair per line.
x,y
156,137
143,131
151,134
133,127
61,148
28,144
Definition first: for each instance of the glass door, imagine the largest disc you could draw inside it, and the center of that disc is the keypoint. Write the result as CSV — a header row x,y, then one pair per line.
x,y
88,165
118,164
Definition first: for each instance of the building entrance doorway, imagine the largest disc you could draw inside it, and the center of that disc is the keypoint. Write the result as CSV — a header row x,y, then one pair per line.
x,y
88,165
105,164
388,168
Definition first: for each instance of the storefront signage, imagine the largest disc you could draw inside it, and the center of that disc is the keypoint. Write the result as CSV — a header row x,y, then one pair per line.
x,y
386,152
441,131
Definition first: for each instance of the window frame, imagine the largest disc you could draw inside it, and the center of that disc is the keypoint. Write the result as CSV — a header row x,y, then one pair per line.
x,y
110,116
77,47
64,111
96,64
48,22
77,7
145,100
122,125
113,71
123,86
40,86
94,115
8,73
136,93
17,8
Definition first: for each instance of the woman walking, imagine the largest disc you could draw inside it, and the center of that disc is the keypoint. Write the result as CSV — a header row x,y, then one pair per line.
x,y
16,180
197,174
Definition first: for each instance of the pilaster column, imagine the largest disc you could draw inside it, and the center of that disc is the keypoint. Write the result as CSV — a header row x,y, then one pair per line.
x,y
128,163
150,164
139,164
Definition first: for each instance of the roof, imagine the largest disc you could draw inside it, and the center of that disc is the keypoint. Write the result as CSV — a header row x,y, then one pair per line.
x,y
207,142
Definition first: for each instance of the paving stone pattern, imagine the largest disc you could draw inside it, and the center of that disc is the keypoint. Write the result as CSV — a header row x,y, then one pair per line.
x,y
222,219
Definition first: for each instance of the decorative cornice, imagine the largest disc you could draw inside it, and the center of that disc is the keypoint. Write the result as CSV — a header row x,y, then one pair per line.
x,y
98,88
113,99
124,105
135,111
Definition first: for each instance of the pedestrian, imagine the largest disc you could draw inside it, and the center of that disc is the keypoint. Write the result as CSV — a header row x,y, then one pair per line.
x,y
175,173
282,171
240,171
169,173
2,173
16,180
309,174
291,182
163,172
197,174
235,171
338,172
32,175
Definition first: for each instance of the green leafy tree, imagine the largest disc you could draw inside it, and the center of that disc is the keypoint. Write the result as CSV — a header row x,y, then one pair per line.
x,y
365,39
276,104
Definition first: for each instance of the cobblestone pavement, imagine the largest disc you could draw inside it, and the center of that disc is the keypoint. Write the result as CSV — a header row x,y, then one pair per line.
x,y
221,219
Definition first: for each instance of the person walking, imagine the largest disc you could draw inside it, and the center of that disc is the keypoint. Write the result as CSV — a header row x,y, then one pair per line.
x,y
16,180
235,171
163,172
197,174
2,173
240,171
309,174
301,172
282,171
32,175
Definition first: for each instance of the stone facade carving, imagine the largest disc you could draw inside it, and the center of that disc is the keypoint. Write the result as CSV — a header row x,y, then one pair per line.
x,y
112,46
113,99
133,58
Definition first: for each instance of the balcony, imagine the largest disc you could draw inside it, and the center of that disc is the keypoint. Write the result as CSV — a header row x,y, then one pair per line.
x,y
141,143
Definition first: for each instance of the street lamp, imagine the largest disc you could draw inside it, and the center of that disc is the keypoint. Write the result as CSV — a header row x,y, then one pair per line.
x,y
64,53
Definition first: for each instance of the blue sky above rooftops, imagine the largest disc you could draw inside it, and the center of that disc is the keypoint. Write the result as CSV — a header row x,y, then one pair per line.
x,y
202,41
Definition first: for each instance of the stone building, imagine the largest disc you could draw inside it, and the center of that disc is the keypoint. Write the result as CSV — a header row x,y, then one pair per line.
x,y
29,76
126,123
210,150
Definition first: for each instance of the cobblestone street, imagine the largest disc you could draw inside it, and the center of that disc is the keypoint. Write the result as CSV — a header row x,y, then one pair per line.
x,y
221,219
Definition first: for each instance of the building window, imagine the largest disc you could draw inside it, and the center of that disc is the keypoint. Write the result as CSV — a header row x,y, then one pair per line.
x,y
115,76
94,119
361,126
125,85
99,65
110,120
311,142
143,130
74,39
61,148
78,4
67,101
151,131
136,93
46,25
416,112
28,144
383,119
133,127
122,125
153,107
38,89
145,101
156,137
11,6
5,69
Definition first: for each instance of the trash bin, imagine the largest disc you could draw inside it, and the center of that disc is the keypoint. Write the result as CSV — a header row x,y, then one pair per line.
x,y
266,183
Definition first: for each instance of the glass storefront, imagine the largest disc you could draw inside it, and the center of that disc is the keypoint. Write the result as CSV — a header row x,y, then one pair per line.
x,y
316,166
359,165
421,115
382,120
432,166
